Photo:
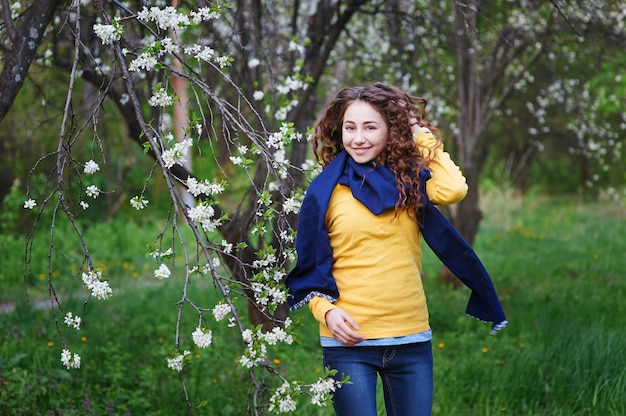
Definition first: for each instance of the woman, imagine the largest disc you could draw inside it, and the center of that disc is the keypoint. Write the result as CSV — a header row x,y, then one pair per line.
x,y
358,244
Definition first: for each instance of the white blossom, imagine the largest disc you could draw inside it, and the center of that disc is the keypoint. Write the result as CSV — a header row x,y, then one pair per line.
x,y
293,46
258,95
72,321
237,160
99,289
167,18
286,236
205,187
177,154
203,14
205,54
166,45
228,247
145,61
253,63
281,401
321,389
220,311
176,363
30,204
138,202
92,191
161,98
163,272
108,33
16,8
223,61
277,335
91,167
202,337
156,254
69,360
203,214
291,205
286,405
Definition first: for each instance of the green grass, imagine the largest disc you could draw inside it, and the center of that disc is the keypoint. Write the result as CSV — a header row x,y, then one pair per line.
x,y
558,265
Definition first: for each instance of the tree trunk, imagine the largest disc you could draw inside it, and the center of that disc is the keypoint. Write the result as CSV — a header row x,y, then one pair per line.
x,y
24,42
468,215
466,220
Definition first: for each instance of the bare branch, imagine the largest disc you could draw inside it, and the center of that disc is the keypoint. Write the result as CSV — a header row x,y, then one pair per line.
x,y
8,19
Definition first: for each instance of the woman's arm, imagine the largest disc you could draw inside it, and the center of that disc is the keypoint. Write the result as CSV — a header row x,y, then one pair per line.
x,y
447,184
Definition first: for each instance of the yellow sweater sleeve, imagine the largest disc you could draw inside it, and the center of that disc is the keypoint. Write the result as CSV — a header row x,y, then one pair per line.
x,y
447,184
319,307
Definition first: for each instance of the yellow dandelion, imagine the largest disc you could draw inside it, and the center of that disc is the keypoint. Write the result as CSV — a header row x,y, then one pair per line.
x,y
42,276
197,356
50,344
84,339
485,350
214,381
276,361
440,345
317,370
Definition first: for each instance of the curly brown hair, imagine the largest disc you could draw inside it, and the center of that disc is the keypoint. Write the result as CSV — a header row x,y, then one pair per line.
x,y
400,155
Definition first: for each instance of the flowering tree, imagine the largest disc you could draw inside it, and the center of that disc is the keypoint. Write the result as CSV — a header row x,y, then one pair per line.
x,y
248,119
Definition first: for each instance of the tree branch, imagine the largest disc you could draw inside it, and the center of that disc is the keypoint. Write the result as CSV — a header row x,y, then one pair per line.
x,y
8,19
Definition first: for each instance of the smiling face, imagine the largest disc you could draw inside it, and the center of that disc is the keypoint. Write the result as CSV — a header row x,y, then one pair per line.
x,y
364,132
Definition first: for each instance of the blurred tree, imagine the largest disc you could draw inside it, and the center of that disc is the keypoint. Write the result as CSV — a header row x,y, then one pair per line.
x,y
505,80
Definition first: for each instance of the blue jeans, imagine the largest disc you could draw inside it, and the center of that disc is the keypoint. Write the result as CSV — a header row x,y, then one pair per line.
x,y
406,372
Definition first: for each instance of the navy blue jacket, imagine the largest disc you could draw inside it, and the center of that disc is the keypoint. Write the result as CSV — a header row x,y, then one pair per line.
x,y
312,275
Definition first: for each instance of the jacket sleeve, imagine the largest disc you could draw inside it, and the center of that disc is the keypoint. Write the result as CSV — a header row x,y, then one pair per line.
x,y
447,184
312,274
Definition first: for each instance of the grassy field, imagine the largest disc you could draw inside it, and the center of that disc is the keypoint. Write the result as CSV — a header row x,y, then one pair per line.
x,y
559,266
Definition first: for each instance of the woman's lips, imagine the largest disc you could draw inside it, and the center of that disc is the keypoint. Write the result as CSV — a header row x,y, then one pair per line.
x,y
360,150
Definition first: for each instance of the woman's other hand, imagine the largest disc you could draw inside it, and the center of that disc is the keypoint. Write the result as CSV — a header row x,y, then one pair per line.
x,y
342,326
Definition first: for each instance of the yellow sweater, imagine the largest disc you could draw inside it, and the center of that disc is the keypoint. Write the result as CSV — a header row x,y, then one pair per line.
x,y
377,258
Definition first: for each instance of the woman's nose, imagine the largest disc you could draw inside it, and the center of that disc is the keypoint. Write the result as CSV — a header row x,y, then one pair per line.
x,y
360,138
